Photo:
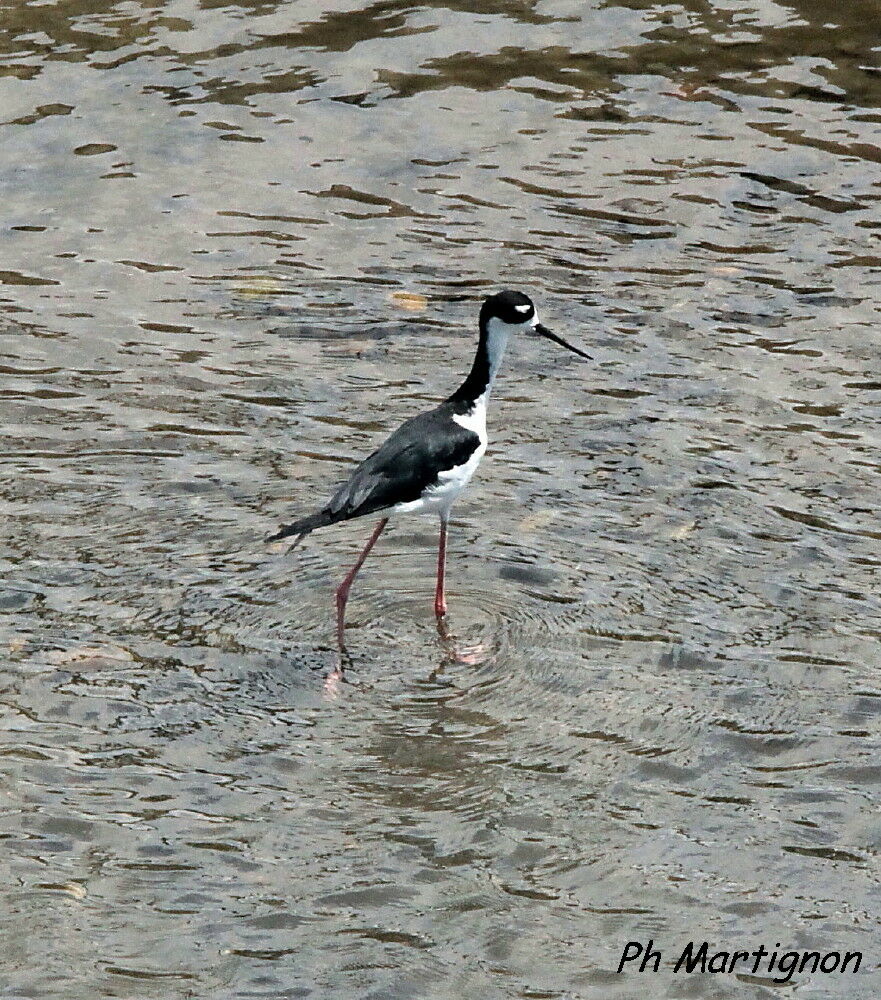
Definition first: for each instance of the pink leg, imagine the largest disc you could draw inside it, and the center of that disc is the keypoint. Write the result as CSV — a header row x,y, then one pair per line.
x,y
342,594
440,601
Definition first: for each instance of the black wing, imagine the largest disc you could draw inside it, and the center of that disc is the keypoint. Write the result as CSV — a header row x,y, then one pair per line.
x,y
405,465
399,471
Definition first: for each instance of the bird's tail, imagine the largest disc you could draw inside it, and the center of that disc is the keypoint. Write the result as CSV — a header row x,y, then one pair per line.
x,y
302,527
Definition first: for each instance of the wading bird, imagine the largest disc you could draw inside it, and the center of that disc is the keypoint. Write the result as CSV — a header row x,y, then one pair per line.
x,y
429,459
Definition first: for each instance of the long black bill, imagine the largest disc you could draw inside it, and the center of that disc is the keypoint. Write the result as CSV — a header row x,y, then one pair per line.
x,y
545,332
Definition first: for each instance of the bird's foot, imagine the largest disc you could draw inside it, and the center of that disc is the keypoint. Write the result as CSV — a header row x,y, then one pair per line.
x,y
335,679
470,654
332,684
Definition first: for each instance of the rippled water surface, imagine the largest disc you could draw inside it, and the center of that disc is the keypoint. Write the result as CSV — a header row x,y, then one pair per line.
x,y
239,243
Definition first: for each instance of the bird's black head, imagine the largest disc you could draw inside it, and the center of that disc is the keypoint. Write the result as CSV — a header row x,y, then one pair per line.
x,y
513,308
510,309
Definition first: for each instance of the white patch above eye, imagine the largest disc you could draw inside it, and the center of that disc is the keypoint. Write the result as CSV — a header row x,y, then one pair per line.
x,y
523,309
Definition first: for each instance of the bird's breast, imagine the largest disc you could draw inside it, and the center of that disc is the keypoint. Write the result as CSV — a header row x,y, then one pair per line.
x,y
475,419
451,482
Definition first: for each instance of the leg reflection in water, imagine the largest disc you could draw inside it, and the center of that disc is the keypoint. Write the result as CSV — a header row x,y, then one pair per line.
x,y
455,651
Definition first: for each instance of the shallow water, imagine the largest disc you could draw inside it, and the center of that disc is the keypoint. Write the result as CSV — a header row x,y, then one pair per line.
x,y
240,243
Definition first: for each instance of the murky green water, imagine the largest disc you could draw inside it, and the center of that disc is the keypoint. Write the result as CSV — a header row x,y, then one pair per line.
x,y
659,715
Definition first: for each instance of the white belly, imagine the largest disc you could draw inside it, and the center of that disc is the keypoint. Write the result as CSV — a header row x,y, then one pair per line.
x,y
440,498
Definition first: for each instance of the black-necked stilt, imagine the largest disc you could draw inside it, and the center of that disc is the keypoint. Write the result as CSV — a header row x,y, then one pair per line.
x,y
429,460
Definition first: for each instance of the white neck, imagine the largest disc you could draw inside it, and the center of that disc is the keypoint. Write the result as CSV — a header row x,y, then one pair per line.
x,y
497,333
494,335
